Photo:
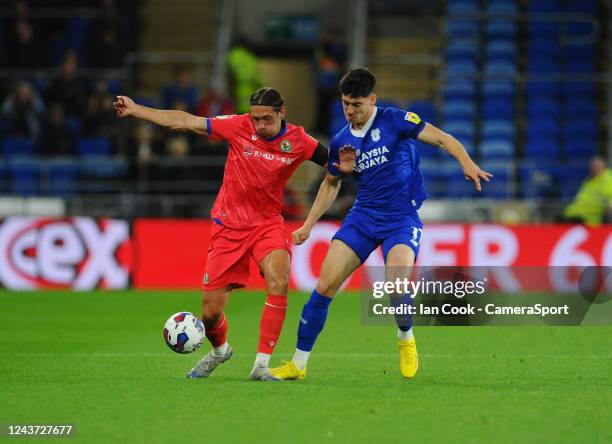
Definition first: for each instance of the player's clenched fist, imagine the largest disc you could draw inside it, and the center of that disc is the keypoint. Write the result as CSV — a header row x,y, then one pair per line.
x,y
300,235
348,158
124,106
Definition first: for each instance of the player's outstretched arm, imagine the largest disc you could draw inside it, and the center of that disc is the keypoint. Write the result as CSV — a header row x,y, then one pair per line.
x,y
328,191
434,136
172,119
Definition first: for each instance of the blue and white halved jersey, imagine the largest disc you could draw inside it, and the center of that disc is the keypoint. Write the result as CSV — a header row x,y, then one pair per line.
x,y
389,180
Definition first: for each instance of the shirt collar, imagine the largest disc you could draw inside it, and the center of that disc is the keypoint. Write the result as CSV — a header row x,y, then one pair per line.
x,y
362,132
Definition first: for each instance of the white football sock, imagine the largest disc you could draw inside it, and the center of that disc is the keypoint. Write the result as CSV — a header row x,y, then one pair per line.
x,y
221,350
300,358
262,360
404,335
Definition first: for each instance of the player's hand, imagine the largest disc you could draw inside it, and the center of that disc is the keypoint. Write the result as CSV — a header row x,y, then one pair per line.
x,y
124,106
474,173
300,235
348,159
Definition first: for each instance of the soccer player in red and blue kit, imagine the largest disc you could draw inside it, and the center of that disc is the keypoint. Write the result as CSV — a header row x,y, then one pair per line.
x,y
264,151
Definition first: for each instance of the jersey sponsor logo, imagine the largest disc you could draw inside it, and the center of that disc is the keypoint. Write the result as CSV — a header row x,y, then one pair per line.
x,y
375,134
285,146
248,151
376,156
412,117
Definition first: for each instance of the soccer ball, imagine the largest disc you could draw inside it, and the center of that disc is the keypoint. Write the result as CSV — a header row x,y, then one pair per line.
x,y
183,332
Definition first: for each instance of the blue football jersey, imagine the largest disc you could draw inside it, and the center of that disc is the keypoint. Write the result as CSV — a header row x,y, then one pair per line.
x,y
389,180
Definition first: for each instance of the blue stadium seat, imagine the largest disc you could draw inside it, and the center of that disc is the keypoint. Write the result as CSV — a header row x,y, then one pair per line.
x,y
550,6
542,28
426,151
498,129
579,65
537,180
462,8
13,146
456,185
543,47
498,88
461,50
579,90
583,6
580,148
498,108
102,173
459,109
579,29
94,147
542,88
502,186
501,29
502,8
542,106
543,126
500,69
63,177
575,51
583,108
73,124
497,49
459,89
458,29
25,174
461,129
461,69
568,178
543,65
497,148
579,127
542,148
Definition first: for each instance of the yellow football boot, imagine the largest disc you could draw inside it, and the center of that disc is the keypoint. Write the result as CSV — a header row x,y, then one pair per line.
x,y
288,371
409,359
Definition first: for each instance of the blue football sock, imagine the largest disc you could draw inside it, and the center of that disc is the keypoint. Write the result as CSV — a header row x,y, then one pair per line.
x,y
312,320
404,321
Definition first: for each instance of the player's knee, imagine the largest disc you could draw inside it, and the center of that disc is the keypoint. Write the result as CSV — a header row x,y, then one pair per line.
x,y
277,284
327,286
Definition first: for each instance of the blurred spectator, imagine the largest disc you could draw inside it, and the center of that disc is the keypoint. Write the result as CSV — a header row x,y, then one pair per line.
x,y
55,138
22,110
330,62
214,103
66,88
344,201
146,150
99,117
24,52
245,75
593,202
109,51
181,88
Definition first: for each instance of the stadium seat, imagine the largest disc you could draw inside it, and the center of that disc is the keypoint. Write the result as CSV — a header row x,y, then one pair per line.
x,y
63,177
568,178
459,89
580,148
459,109
542,88
497,148
583,6
542,28
14,146
537,180
578,90
73,124
462,29
543,65
502,8
462,50
550,6
462,8
94,147
426,151
583,108
501,29
452,176
542,106
102,173
500,69
498,88
497,49
578,127
498,108
25,174
460,128
542,148
543,47
575,51
498,129
503,184
579,65
543,126
461,69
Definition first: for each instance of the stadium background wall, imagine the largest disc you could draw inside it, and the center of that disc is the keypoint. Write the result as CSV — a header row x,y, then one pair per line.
x,y
84,253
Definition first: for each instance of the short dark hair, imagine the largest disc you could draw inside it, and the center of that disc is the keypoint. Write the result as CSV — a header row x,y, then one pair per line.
x,y
267,97
358,82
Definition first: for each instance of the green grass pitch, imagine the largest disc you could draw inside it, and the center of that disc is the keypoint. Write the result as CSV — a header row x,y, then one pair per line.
x,y
98,361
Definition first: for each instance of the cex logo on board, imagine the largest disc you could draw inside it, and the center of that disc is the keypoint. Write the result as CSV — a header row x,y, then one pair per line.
x,y
79,253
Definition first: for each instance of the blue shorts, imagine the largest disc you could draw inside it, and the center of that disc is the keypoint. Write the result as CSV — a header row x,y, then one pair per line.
x,y
363,233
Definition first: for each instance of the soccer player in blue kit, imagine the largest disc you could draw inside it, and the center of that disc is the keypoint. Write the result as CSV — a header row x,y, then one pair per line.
x,y
390,190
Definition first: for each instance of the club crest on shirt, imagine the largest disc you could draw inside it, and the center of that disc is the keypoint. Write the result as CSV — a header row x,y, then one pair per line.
x,y
254,137
248,150
375,134
285,146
